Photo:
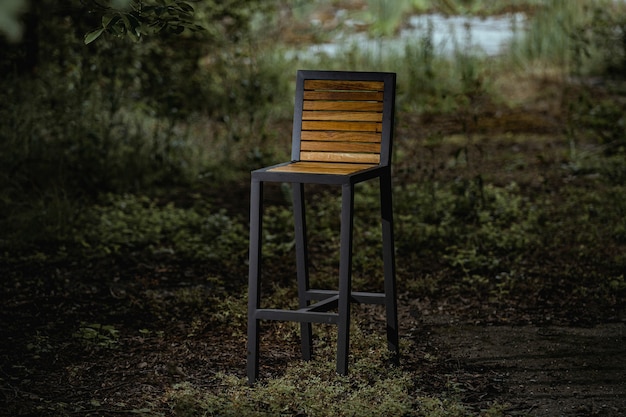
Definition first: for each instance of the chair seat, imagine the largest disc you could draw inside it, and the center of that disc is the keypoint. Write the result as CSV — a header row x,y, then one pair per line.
x,y
319,172
332,168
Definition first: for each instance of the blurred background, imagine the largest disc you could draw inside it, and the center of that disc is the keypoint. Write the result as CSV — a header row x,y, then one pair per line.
x,y
128,129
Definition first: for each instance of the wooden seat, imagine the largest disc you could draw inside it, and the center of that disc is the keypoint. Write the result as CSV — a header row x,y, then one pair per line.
x,y
342,134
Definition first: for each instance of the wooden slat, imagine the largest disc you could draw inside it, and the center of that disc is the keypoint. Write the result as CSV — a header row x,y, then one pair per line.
x,y
341,123
340,157
344,95
340,147
358,116
343,105
330,165
343,85
323,168
341,136
343,126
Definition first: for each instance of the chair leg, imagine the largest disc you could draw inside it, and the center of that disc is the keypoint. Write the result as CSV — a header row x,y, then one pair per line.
x,y
389,265
345,278
254,272
302,265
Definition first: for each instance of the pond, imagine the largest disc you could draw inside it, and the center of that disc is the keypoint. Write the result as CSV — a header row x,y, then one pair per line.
x,y
488,35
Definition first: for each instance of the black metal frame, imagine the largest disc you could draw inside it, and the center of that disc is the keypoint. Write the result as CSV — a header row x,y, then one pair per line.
x,y
326,300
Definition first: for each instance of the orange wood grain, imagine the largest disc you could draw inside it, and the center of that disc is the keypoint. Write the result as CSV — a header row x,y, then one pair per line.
x,y
363,158
343,105
342,126
344,95
323,168
343,85
340,147
341,136
343,116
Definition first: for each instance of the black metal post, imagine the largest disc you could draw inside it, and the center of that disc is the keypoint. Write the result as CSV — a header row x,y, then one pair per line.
x,y
254,281
302,265
389,264
345,278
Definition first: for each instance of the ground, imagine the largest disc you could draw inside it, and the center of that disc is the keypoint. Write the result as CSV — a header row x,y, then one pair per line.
x,y
50,370
110,336
543,371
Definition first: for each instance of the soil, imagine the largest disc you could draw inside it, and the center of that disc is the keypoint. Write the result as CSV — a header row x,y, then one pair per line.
x,y
544,371
532,370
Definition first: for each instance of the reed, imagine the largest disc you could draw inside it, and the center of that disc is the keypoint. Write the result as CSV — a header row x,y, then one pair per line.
x,y
550,35
386,15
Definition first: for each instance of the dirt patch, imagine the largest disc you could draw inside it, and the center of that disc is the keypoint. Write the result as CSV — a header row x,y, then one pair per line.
x,y
545,371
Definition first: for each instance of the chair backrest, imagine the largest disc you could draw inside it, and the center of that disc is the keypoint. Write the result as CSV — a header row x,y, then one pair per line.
x,y
343,116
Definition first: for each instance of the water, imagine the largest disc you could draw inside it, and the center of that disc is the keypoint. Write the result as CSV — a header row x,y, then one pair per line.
x,y
489,36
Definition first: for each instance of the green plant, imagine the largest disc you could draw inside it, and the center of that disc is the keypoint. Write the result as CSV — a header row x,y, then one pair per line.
x,y
138,18
40,344
420,82
599,117
10,25
97,335
314,389
129,223
549,35
311,388
126,123
386,16
230,311
598,42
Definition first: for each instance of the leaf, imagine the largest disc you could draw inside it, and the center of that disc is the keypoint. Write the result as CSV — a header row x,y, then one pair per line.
x,y
177,29
186,7
93,35
109,19
132,25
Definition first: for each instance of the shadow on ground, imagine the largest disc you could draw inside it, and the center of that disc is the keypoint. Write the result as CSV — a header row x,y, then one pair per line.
x,y
545,371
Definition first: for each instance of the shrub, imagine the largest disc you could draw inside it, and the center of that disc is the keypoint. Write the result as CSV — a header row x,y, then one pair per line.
x,y
128,225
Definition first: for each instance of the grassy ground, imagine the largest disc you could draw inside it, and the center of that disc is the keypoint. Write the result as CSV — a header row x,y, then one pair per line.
x,y
512,224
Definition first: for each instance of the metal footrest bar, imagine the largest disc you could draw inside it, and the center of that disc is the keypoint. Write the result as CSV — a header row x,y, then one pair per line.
x,y
325,304
318,312
303,315
356,296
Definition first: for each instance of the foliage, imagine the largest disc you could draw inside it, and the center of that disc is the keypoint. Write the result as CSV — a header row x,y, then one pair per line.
x,y
119,121
138,18
132,224
314,389
10,10
598,41
581,37
600,49
97,335
385,16
549,36
600,118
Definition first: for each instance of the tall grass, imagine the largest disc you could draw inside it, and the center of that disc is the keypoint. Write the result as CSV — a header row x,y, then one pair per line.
x,y
556,34
386,15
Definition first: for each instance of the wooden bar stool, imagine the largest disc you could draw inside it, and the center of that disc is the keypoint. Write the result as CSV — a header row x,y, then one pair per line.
x,y
342,135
